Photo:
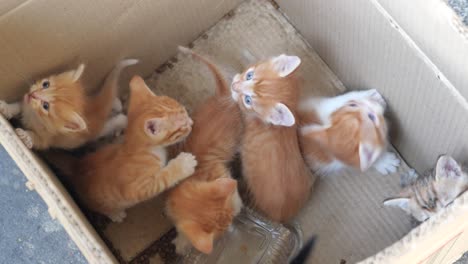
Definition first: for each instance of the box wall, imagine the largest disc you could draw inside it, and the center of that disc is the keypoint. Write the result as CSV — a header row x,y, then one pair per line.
x,y
44,36
435,28
364,46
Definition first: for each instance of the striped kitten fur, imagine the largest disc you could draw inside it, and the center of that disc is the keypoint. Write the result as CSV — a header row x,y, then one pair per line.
x,y
430,193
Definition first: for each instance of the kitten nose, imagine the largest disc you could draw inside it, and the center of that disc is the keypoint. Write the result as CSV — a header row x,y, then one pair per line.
x,y
235,86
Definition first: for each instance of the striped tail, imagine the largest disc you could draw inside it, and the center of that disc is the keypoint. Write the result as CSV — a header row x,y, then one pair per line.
x,y
221,86
102,102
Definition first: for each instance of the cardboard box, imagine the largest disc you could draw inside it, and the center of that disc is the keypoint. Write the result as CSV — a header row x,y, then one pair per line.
x,y
366,43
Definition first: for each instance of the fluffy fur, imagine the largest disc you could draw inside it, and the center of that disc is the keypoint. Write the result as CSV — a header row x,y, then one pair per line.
x,y
121,175
275,172
428,195
57,112
204,205
346,130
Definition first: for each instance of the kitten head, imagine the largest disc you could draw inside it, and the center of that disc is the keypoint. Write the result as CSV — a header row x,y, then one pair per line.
x,y
57,102
203,210
267,90
358,130
429,195
155,120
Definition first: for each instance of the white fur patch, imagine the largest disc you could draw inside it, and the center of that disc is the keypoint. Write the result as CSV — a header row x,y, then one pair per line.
x,y
160,152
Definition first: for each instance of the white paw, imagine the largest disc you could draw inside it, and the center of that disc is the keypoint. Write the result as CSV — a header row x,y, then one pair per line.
x,y
387,163
5,110
120,123
117,106
187,162
25,137
117,217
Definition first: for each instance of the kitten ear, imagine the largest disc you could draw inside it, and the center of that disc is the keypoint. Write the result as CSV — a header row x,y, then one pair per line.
x,y
201,240
402,203
139,92
367,155
285,65
76,74
447,167
226,186
75,123
280,115
152,126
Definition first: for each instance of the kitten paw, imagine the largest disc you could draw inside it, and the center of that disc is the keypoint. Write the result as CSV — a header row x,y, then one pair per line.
x,y
25,137
387,163
117,217
5,110
117,106
187,163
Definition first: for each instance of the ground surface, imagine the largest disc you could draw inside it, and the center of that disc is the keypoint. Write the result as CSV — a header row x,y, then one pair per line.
x,y
29,235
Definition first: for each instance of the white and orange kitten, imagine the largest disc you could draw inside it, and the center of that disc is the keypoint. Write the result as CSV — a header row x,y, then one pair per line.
x,y
57,112
427,195
348,130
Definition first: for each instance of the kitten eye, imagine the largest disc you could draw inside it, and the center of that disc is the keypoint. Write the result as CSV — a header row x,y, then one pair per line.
x,y
45,105
353,105
371,117
249,75
45,84
248,100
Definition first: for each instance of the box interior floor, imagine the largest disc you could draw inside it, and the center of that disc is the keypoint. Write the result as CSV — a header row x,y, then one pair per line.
x,y
345,211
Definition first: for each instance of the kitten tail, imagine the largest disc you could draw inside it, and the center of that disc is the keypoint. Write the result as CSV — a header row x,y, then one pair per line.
x,y
105,98
221,86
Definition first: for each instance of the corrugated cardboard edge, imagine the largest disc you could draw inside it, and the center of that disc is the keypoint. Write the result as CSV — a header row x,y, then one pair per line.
x,y
421,242
60,203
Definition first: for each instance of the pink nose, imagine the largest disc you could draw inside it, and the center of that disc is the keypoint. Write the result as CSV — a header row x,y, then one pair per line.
x,y
235,86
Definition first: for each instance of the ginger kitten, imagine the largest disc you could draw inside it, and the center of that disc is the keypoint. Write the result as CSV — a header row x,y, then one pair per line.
x,y
429,194
121,175
348,130
273,167
57,112
204,205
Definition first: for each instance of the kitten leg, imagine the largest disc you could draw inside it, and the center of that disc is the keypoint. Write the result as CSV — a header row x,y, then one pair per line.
x,y
117,106
31,139
387,163
117,216
175,171
10,110
114,125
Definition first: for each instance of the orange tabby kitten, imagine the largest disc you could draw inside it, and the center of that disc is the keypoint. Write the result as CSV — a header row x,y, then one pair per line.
x,y
348,130
56,112
204,205
121,175
273,167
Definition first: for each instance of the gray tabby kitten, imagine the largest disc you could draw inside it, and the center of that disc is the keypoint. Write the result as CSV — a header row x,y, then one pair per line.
x,y
427,195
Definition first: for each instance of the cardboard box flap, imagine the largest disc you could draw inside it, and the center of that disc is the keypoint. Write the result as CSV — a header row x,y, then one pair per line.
x,y
7,6
99,33
443,238
439,32
366,48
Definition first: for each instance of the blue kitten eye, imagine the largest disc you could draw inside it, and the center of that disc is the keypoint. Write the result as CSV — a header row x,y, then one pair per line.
x,y
371,117
248,100
45,105
249,75
45,84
